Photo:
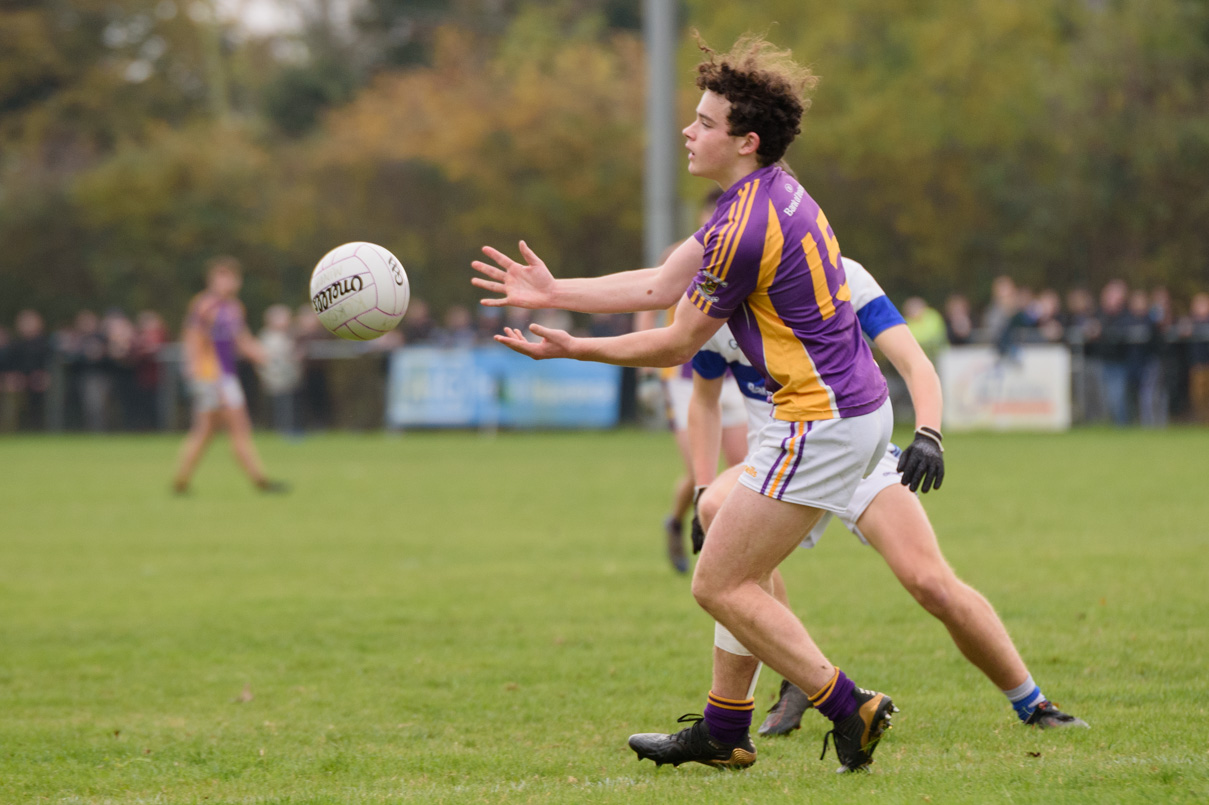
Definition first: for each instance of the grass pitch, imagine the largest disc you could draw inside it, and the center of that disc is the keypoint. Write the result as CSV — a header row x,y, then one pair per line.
x,y
451,618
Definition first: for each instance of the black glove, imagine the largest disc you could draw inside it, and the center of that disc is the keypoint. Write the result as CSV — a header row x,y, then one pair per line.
x,y
697,533
923,462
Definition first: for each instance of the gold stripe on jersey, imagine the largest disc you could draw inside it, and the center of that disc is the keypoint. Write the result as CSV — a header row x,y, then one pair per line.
x,y
723,237
833,245
818,277
730,234
747,200
785,357
818,273
729,239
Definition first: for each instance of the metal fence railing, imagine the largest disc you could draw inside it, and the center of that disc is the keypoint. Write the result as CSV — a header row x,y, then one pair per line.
x,y
343,385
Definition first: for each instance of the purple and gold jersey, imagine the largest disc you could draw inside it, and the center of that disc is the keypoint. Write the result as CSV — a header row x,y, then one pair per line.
x,y
772,268
219,322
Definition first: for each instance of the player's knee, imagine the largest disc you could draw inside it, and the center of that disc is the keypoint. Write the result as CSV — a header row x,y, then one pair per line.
x,y
933,591
707,591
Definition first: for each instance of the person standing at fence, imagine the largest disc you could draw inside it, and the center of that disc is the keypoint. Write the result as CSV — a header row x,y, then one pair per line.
x,y
29,367
1001,309
1080,331
1197,330
215,333
122,365
314,400
959,326
282,369
8,408
1112,348
87,363
1143,357
152,335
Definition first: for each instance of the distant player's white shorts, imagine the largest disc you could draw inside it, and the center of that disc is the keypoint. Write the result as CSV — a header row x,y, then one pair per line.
x,y
817,464
884,474
680,391
210,395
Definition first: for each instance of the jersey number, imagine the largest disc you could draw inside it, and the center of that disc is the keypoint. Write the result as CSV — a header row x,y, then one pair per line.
x,y
818,272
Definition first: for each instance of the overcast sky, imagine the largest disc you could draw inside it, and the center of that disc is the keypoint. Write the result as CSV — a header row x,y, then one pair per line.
x,y
271,16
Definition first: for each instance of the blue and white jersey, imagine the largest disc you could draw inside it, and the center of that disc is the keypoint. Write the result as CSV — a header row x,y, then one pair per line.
x,y
721,352
874,310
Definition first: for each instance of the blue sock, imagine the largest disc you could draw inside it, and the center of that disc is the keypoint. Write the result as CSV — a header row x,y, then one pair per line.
x,y
1025,698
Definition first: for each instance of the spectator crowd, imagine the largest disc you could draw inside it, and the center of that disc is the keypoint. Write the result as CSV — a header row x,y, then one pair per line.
x,y
1138,358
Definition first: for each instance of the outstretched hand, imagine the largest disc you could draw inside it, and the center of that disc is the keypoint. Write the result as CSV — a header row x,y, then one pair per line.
x,y
528,285
551,343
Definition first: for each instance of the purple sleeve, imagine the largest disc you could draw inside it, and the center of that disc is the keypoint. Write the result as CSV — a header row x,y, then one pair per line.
x,y
734,248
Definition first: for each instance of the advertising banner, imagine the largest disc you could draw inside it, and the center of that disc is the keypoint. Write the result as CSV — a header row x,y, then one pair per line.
x,y
433,387
1027,390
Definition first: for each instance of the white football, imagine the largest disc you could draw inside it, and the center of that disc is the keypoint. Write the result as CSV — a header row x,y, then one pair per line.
x,y
360,291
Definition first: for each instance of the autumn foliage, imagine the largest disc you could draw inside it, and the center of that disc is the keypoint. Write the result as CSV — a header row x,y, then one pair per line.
x,y
1062,143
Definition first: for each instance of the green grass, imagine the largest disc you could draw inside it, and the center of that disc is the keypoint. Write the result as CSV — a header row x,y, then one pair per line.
x,y
451,618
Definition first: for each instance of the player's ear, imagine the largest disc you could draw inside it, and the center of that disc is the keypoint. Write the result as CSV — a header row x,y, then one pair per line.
x,y
750,144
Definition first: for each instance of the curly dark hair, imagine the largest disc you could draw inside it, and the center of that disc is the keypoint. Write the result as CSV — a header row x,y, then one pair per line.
x,y
766,88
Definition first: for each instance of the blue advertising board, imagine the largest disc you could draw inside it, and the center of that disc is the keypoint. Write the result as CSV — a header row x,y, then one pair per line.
x,y
492,386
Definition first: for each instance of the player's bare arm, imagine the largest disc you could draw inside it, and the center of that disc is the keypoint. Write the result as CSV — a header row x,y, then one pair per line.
x,y
923,383
666,346
922,463
705,427
250,348
531,285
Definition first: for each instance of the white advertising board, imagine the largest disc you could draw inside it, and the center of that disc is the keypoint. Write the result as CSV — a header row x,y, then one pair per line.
x,y
1027,390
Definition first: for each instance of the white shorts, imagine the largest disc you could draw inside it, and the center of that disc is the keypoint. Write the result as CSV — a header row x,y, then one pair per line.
x,y
884,474
210,395
680,391
818,464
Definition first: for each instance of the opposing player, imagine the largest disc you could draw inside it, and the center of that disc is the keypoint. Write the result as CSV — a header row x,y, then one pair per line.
x,y
677,383
883,512
677,386
769,262
215,334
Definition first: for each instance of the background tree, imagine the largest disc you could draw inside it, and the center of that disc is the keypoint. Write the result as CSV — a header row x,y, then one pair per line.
x,y
1062,143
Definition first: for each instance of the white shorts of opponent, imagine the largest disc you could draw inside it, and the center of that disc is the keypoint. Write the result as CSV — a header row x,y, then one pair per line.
x,y
819,464
680,391
885,474
210,395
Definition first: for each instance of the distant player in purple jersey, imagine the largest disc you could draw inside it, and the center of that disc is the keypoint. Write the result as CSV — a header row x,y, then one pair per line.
x,y
215,335
770,263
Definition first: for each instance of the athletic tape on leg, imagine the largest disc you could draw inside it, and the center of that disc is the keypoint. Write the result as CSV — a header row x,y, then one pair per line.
x,y
755,679
726,641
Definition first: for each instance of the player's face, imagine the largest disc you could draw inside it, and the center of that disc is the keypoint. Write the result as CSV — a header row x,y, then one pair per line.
x,y
225,284
712,151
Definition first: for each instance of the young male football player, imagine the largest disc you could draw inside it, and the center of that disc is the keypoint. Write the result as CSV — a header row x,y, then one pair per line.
x,y
215,334
883,513
769,262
